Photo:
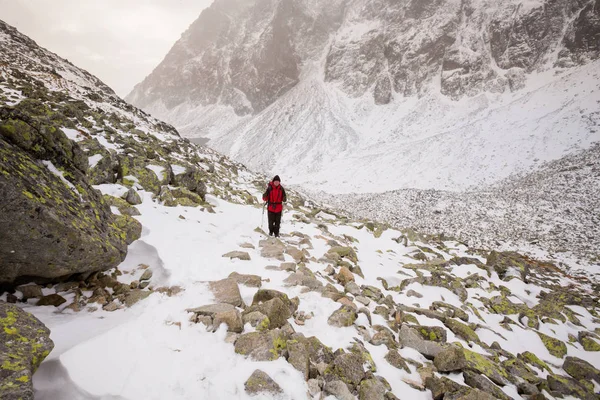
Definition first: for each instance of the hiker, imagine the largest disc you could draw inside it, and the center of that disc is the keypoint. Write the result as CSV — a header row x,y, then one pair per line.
x,y
275,196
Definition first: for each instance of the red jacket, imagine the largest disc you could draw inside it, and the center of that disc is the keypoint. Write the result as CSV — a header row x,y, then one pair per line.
x,y
275,195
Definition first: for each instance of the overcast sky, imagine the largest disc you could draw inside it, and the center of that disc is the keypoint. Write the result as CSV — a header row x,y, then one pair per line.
x,y
119,41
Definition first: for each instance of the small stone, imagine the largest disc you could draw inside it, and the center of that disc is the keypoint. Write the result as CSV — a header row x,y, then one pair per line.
x,y
371,389
344,316
144,284
329,270
247,280
11,298
344,276
132,197
288,266
412,293
339,390
51,300
135,296
257,320
363,300
395,359
347,302
260,382
112,306
231,337
247,246
227,291
240,255
134,284
147,275
352,288
31,291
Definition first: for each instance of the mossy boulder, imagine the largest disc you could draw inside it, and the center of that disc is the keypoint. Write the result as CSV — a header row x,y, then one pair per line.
x,y
262,346
348,368
131,228
371,389
193,180
433,333
561,386
581,369
260,382
342,317
556,347
51,228
24,343
276,311
149,174
264,295
483,365
461,330
482,383
450,359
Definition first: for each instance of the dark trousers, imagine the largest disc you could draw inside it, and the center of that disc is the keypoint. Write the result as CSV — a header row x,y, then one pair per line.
x,y
274,223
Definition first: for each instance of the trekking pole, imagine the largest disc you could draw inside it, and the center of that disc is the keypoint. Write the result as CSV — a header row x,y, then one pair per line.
x,y
262,221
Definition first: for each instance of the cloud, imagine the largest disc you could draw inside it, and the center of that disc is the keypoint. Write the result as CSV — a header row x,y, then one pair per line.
x,y
119,41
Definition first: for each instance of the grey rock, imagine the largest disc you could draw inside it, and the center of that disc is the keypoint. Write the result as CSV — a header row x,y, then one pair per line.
x,y
24,343
371,389
581,369
227,291
256,319
338,389
135,296
344,316
349,368
409,337
275,309
478,381
395,359
240,255
299,357
264,295
288,266
247,280
31,291
353,289
450,359
51,300
132,197
147,275
260,382
262,346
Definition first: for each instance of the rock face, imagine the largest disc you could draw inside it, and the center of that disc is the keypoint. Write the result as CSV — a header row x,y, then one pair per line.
x,y
398,49
24,343
276,67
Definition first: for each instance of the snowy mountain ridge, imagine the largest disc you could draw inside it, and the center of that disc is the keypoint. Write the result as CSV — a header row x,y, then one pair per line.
x,y
316,91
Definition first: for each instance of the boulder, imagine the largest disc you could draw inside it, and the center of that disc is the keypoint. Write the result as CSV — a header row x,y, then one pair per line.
x,y
342,317
409,337
24,343
580,369
299,356
214,315
338,389
30,291
348,367
276,311
344,276
52,227
262,346
395,359
227,291
132,197
450,359
193,180
247,280
482,383
264,295
135,296
260,382
371,389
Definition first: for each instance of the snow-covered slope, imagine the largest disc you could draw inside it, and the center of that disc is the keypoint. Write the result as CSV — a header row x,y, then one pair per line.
x,y
374,96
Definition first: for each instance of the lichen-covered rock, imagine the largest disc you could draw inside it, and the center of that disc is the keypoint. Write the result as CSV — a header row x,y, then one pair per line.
x,y
462,330
556,347
395,359
299,356
410,337
342,317
193,180
371,389
479,381
262,346
150,174
567,386
348,368
260,382
24,343
132,197
51,228
130,227
257,319
276,311
450,359
338,389
264,295
581,369
483,365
